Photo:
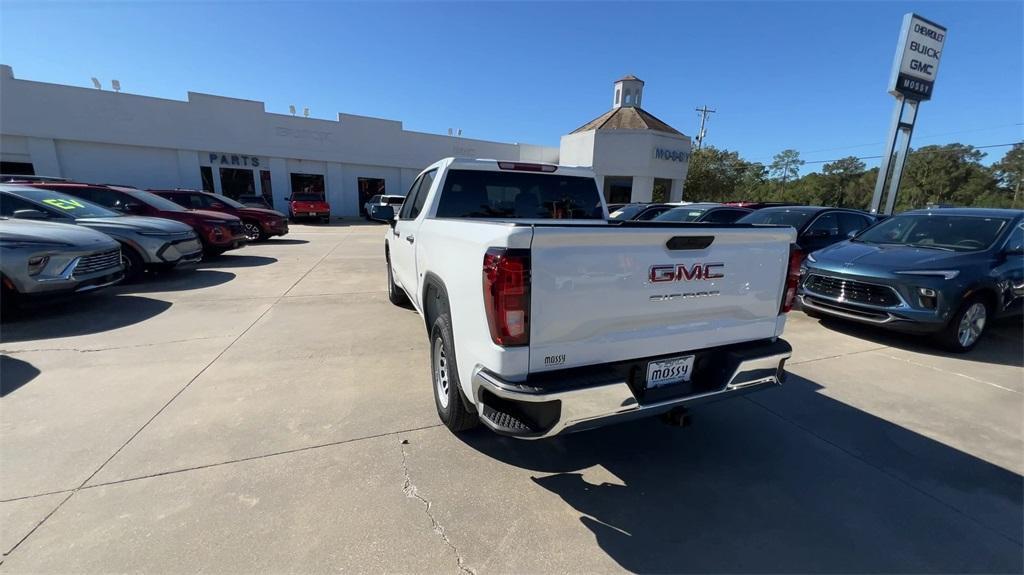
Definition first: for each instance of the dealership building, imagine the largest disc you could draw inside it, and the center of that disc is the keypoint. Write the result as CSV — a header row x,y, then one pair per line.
x,y
235,147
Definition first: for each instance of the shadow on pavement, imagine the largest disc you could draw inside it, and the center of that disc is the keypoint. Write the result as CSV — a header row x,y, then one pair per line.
x,y
800,483
15,373
1002,344
282,242
176,280
91,314
235,261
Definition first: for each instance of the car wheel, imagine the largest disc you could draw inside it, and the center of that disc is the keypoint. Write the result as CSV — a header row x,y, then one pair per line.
x,y
967,326
253,232
396,295
10,303
132,262
445,377
326,220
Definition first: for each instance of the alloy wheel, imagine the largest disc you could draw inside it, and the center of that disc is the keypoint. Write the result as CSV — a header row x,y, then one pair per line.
x,y
441,373
971,324
252,231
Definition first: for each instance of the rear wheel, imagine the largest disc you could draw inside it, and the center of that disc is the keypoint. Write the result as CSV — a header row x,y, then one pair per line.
x,y
326,220
132,262
445,376
967,326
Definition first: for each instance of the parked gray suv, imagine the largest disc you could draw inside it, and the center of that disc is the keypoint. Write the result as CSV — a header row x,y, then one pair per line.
x,y
39,259
145,242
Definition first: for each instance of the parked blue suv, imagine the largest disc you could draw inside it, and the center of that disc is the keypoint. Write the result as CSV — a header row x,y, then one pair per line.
x,y
942,272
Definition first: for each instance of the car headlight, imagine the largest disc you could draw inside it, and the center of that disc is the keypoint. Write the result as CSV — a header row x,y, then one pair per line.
x,y
157,234
944,274
33,244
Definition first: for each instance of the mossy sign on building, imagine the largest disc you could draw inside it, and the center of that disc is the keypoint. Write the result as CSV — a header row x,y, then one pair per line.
x,y
917,58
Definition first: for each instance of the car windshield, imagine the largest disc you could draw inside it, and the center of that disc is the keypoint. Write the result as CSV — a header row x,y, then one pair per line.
x,y
683,214
65,204
957,233
627,212
155,201
519,195
307,198
794,217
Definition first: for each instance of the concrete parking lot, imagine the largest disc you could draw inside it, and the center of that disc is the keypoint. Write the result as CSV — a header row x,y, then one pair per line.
x,y
271,411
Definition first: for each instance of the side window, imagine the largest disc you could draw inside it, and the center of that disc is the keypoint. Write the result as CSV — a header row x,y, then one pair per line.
x,y
11,204
421,194
852,223
724,216
411,198
107,198
827,225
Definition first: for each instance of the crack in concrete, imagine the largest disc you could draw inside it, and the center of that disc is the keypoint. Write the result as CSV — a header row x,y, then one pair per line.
x,y
98,349
409,488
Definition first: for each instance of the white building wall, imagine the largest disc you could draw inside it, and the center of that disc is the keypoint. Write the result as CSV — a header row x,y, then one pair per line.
x,y
154,142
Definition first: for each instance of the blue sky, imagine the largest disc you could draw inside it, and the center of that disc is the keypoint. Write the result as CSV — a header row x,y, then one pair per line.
x,y
803,75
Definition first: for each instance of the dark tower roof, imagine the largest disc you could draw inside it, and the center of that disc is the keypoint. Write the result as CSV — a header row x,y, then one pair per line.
x,y
627,118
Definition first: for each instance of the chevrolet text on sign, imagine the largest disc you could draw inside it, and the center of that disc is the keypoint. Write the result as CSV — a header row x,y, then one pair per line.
x,y
917,58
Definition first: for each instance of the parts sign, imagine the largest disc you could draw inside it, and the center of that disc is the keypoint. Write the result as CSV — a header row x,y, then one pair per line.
x,y
917,58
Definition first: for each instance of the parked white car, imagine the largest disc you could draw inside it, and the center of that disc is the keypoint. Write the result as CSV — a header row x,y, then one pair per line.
x,y
544,317
370,208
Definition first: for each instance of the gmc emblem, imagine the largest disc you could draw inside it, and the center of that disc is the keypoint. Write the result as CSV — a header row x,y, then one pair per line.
x,y
680,273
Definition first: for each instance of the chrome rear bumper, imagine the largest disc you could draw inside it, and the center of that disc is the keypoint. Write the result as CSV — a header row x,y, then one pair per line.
x,y
594,403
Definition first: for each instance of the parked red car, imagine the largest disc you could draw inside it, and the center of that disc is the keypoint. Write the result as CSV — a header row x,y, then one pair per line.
x,y
219,232
258,223
309,206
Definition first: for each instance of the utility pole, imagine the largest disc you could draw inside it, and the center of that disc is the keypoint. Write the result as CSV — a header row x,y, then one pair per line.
x,y
704,111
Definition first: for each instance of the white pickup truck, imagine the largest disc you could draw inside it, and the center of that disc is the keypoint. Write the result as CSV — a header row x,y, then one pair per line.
x,y
544,317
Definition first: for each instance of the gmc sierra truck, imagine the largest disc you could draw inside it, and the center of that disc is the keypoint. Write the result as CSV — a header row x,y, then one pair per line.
x,y
544,317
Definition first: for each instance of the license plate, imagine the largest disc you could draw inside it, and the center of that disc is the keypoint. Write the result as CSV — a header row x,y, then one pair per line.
x,y
669,371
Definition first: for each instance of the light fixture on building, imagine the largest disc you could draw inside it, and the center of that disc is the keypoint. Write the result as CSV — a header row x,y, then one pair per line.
x,y
116,85
449,131
291,108
96,84
459,132
305,112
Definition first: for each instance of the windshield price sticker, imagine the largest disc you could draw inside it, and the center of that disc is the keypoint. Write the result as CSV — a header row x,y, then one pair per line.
x,y
63,203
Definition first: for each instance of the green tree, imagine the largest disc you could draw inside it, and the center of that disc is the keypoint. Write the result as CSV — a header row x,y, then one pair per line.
x,y
785,166
948,174
1010,173
840,175
715,175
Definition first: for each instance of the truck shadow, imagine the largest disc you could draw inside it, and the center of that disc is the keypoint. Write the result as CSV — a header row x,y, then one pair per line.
x,y
787,480
15,373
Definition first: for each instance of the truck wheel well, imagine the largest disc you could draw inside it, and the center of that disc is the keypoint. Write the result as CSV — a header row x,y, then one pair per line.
x,y
987,294
435,300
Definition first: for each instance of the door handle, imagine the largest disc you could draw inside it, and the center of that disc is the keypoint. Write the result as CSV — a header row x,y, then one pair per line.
x,y
409,238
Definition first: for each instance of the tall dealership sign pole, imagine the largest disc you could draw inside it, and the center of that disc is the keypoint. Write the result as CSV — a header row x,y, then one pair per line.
x,y
913,78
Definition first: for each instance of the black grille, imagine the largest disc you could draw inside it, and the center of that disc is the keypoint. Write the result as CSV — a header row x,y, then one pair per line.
x,y
851,291
98,262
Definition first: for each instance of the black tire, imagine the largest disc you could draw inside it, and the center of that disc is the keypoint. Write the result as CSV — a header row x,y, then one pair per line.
x,y
10,302
253,231
134,265
396,295
950,337
444,377
326,220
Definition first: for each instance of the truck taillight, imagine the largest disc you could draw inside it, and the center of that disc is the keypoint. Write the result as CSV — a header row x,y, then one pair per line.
x,y
796,258
507,295
527,167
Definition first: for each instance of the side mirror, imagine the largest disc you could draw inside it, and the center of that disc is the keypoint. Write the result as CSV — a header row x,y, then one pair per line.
x,y
31,215
131,208
852,234
287,198
1017,250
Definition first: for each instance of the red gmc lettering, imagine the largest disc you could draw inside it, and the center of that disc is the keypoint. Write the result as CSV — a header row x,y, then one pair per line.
x,y
668,273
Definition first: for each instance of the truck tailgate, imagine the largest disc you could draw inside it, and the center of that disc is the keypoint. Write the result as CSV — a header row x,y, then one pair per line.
x,y
593,299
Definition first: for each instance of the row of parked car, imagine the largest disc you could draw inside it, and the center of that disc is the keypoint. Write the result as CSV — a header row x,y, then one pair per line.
x,y
60,237
945,273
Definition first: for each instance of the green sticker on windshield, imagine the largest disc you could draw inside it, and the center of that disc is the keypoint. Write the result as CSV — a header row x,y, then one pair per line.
x,y
63,203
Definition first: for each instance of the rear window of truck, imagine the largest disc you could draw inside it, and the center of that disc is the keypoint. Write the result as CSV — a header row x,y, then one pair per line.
x,y
518,195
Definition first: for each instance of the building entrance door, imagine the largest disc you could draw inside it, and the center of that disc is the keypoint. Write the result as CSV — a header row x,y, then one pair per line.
x,y
235,182
369,187
618,189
